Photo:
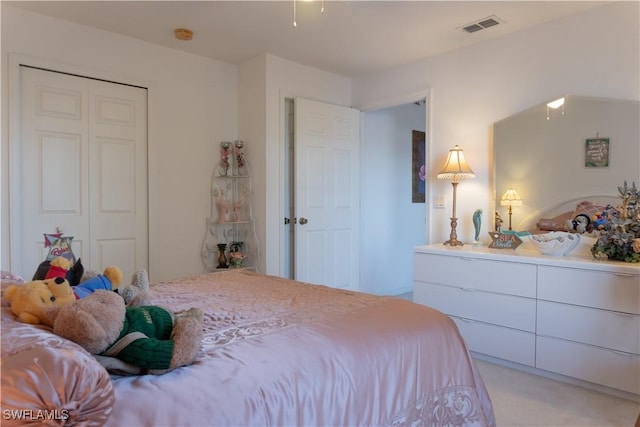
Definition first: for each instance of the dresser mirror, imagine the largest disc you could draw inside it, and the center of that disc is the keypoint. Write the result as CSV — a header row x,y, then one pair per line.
x,y
583,149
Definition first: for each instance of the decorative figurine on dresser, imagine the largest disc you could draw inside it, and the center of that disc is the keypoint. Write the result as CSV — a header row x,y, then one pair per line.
x,y
230,239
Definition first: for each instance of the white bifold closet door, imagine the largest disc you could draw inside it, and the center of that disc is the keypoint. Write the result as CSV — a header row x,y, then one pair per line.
x,y
81,156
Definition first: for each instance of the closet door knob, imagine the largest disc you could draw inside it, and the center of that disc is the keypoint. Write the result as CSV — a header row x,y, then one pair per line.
x,y
303,221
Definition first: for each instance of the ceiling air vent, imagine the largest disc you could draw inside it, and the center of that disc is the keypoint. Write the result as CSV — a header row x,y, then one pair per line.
x,y
482,24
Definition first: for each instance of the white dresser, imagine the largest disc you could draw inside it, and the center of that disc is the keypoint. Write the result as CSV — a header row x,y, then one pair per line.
x,y
568,315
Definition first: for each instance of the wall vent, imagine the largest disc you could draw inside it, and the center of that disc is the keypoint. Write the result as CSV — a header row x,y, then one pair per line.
x,y
481,24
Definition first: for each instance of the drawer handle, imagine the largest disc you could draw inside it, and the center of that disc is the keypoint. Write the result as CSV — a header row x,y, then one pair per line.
x,y
626,275
467,259
467,289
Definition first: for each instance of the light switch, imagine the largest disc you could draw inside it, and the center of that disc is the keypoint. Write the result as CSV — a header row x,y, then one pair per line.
x,y
438,202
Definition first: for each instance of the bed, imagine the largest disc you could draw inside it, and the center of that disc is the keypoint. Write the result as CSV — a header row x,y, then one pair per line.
x,y
275,352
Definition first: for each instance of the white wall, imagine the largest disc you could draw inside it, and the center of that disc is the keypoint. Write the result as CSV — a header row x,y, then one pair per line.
x,y
391,224
596,53
194,104
192,107
281,78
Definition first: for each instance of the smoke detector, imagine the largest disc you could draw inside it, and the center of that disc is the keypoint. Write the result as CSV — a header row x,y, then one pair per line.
x,y
481,24
183,34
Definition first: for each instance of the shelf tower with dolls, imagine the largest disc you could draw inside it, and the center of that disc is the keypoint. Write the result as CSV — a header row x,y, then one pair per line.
x,y
230,239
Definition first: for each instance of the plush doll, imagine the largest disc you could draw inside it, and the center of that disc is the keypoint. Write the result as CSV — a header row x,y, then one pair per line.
x,y
29,301
61,290
146,339
109,280
136,293
58,267
74,273
579,224
598,221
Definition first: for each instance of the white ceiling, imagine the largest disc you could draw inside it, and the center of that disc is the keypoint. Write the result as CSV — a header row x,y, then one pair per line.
x,y
350,38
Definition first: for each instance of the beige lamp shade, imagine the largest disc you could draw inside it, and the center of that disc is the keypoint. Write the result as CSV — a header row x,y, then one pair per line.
x,y
511,198
456,166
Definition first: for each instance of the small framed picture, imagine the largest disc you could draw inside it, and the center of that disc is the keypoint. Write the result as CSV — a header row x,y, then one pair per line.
x,y
418,170
596,153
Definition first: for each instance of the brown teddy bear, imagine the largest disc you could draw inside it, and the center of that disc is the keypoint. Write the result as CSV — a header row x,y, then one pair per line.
x,y
133,340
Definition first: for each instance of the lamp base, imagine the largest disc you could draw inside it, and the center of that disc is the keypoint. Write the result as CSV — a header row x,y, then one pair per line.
x,y
453,242
453,236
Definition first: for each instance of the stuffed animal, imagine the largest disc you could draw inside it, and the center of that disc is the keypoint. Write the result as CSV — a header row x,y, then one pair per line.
x,y
598,221
136,293
61,290
109,280
579,224
74,273
147,339
29,301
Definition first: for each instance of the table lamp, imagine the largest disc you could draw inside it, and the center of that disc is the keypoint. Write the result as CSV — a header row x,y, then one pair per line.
x,y
455,168
510,198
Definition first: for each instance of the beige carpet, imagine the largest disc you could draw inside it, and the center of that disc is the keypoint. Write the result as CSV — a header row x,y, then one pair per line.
x,y
523,399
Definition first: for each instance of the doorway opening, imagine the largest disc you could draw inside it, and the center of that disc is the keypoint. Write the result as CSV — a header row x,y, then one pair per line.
x,y
390,224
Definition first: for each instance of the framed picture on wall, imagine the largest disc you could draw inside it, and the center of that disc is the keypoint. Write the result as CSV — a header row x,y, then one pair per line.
x,y
596,153
418,169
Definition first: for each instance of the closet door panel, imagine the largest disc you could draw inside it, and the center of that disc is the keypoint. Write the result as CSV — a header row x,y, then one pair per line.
x,y
52,158
118,175
82,161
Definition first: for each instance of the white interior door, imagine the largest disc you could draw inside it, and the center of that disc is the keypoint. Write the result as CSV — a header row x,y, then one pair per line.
x,y
82,160
327,147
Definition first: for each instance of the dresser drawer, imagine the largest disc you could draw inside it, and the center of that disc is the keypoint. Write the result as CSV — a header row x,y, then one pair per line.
x,y
504,310
618,331
497,341
473,273
607,367
590,288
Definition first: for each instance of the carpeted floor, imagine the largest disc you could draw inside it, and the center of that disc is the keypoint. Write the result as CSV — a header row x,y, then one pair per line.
x,y
523,399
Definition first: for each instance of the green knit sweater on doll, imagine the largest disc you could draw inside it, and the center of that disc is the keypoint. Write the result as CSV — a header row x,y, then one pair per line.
x,y
155,349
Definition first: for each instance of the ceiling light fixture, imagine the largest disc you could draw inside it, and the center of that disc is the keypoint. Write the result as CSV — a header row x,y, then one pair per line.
x,y
295,23
183,34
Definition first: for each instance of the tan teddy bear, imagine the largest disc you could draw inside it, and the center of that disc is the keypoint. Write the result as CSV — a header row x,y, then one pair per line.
x,y
147,339
30,300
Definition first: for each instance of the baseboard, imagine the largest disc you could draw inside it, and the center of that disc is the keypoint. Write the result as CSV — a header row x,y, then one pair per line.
x,y
558,377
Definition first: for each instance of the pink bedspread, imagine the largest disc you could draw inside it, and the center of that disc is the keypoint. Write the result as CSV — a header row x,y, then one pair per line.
x,y
279,352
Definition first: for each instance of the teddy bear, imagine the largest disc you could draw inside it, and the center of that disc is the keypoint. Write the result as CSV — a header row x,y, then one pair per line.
x,y
73,274
29,301
145,339
110,279
598,221
136,293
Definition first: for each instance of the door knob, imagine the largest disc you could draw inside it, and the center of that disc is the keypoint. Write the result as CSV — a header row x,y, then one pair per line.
x,y
303,221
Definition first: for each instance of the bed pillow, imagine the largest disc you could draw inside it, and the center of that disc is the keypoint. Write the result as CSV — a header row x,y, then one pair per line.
x,y
44,375
7,279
